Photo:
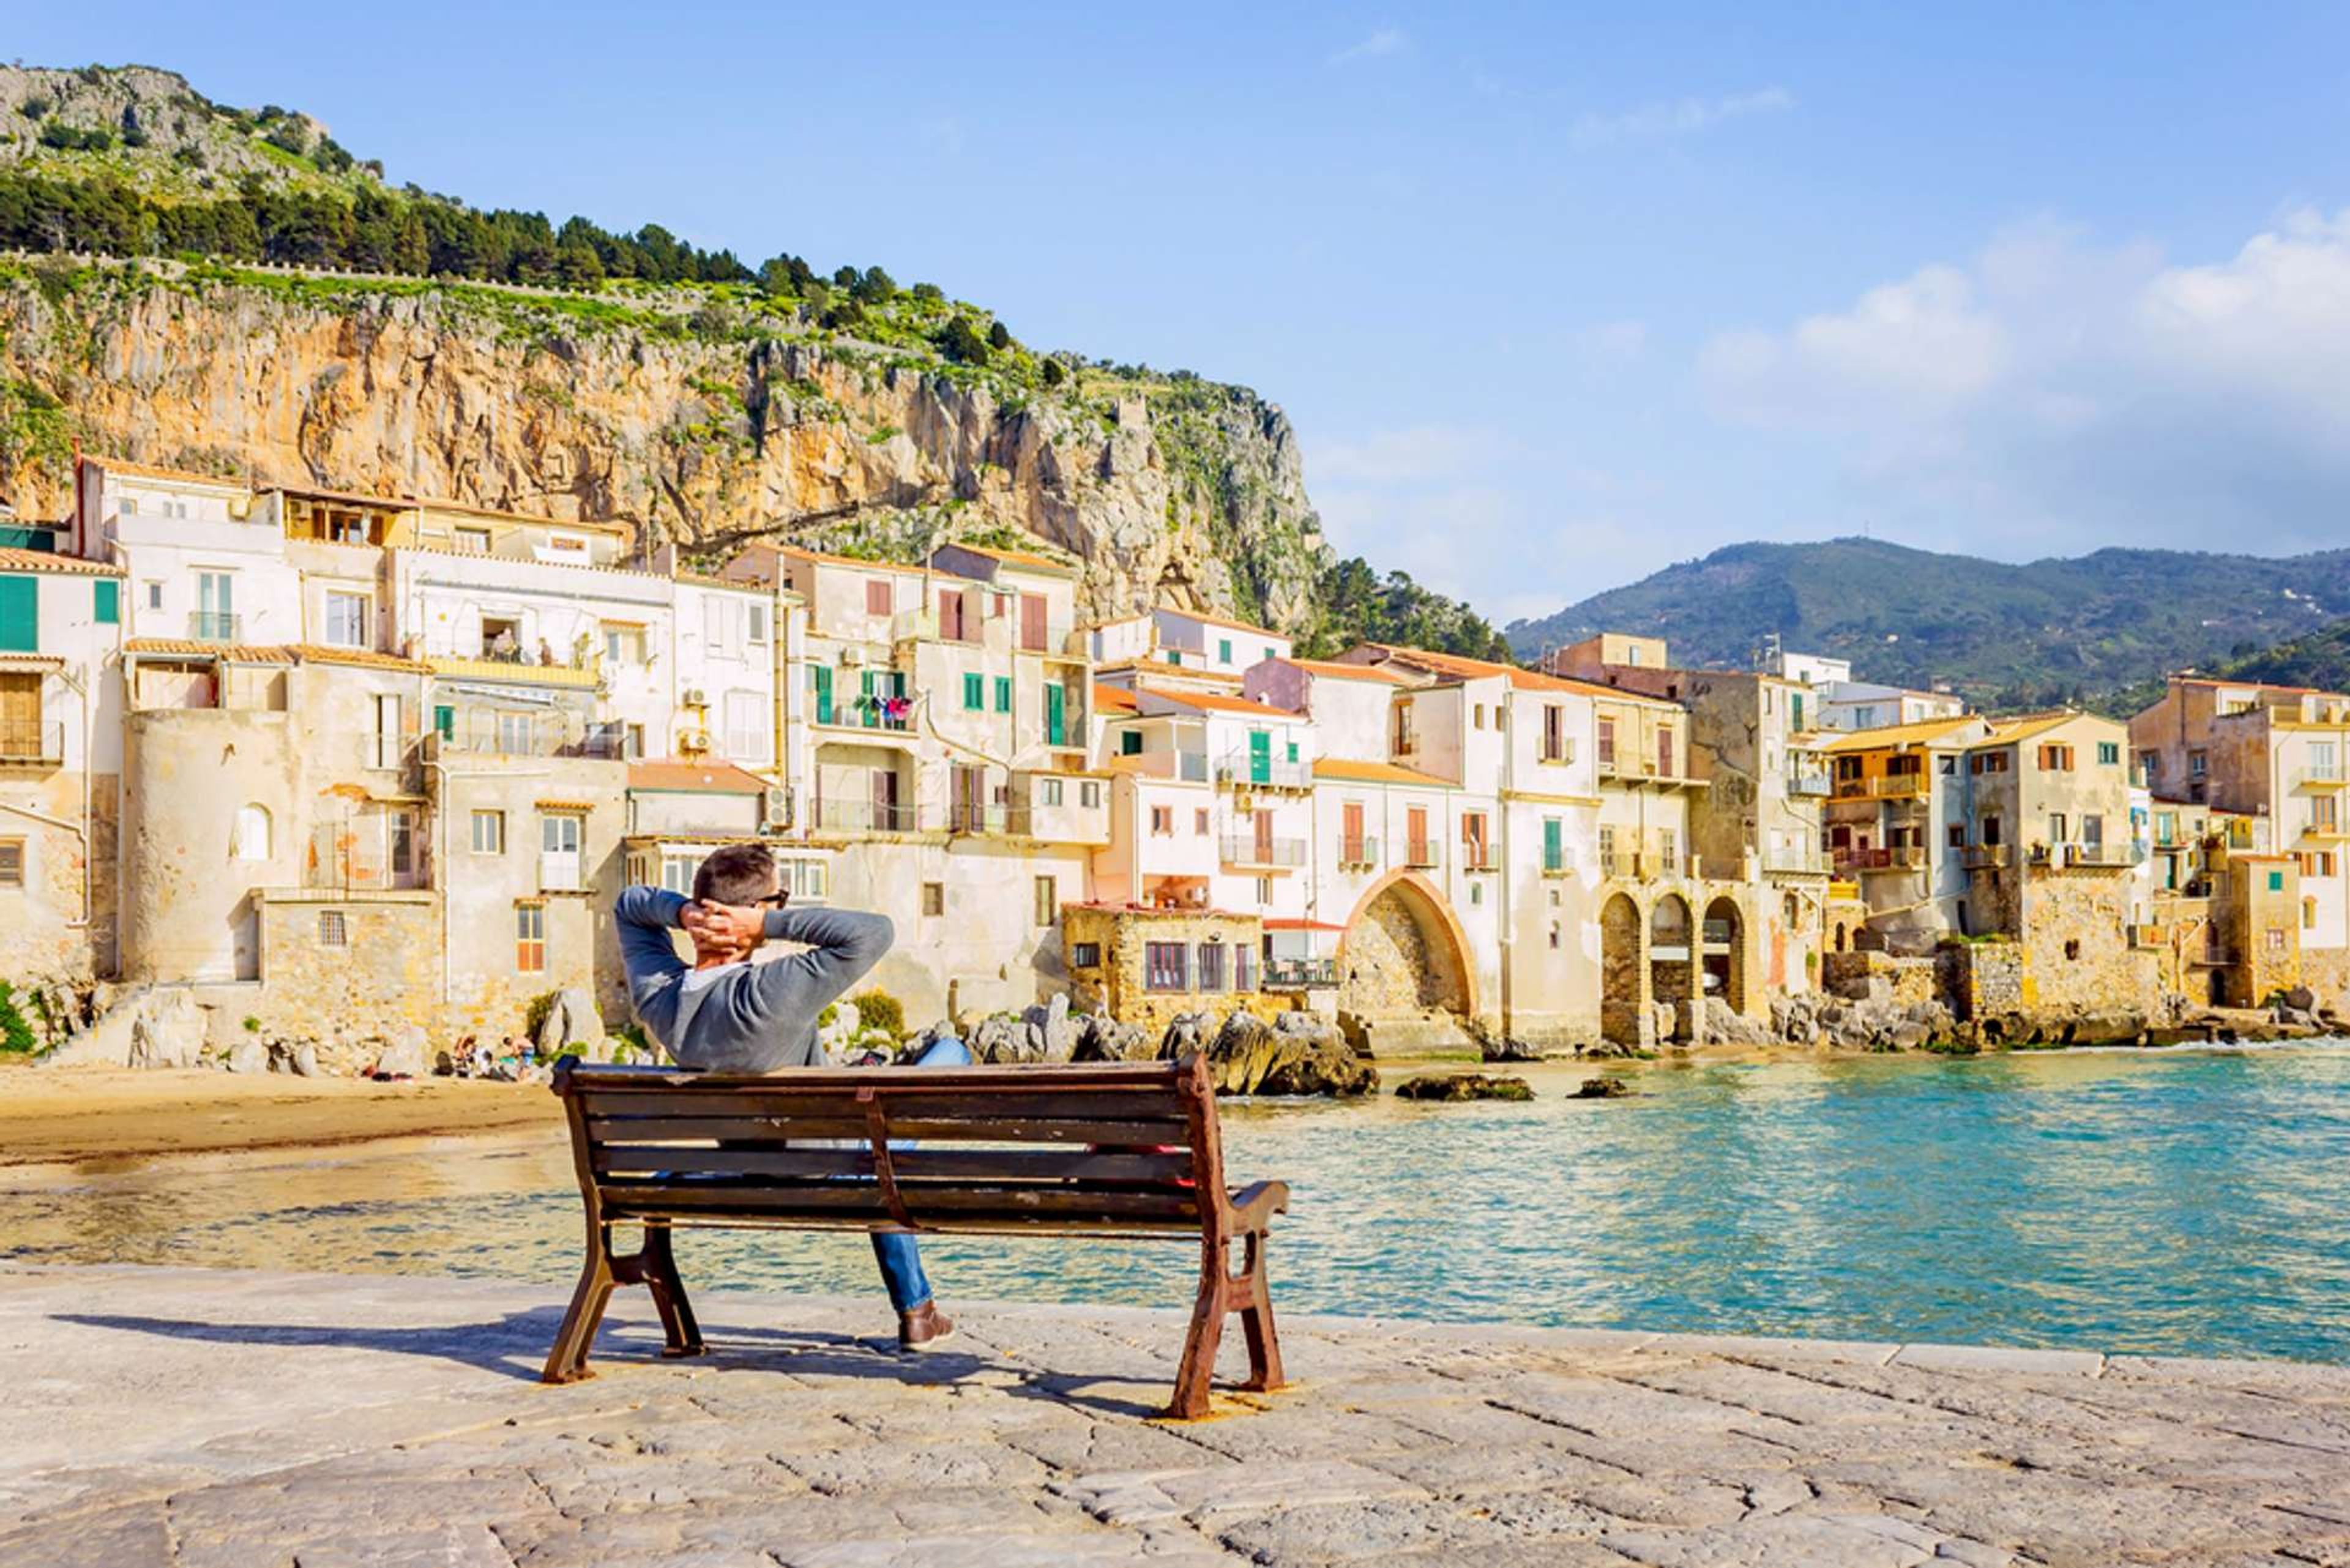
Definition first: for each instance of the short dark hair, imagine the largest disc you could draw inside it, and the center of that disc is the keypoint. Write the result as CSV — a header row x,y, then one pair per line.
x,y
736,874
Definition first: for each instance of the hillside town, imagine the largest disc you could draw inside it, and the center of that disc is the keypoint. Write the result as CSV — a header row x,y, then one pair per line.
x,y
333,766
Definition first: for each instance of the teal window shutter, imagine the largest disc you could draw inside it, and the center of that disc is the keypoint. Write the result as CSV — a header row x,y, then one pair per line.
x,y
20,615
1223,650
105,602
1004,694
974,692
444,720
2276,881
1554,848
1293,747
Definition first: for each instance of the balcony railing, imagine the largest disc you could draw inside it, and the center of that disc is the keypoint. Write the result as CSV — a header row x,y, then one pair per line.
x,y
1901,857
1358,852
1300,974
1422,855
1480,858
30,741
965,817
1263,772
1798,861
1988,856
215,626
1885,787
2321,778
1247,849
1808,782
872,714
1622,767
1191,767
521,735
865,816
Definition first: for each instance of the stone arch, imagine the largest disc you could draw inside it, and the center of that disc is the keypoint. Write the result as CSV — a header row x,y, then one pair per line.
x,y
1622,972
1672,964
1404,953
1725,959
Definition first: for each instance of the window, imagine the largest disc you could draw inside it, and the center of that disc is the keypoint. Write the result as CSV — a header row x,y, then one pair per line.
x,y
515,731
12,863
1607,847
105,602
1265,889
1212,965
331,931
747,727
1199,821
677,874
1606,742
1085,955
216,619
1223,650
252,839
1554,936
387,729
530,938
1476,892
754,622
1162,821
1049,900
1165,966
1476,717
1957,836
155,595
2093,829
1244,964
2308,913
877,596
1004,694
1554,843
624,644
1668,852
1950,766
2276,881
1555,748
130,507
807,880
2057,827
347,621
1089,794
567,544
934,900
2109,754
974,694
472,541
2198,763
489,833
1048,792
2057,759
1129,744
1473,841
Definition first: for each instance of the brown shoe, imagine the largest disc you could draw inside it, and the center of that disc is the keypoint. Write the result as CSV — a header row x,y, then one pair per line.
x,y
923,1327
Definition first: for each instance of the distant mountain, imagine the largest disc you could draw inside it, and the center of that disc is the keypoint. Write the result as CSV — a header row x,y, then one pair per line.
x,y
2322,659
2004,635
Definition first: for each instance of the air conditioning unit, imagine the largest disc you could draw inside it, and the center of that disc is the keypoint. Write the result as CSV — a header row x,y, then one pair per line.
x,y
694,698
852,655
693,742
778,813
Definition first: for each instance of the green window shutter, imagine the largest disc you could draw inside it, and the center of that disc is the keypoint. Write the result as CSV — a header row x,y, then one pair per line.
x,y
823,675
1798,700
1004,694
1292,745
1553,847
1223,650
105,602
1057,723
2276,881
20,615
1129,744
974,692
444,720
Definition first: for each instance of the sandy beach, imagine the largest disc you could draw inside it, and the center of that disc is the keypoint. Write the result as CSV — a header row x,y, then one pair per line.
x,y
77,1117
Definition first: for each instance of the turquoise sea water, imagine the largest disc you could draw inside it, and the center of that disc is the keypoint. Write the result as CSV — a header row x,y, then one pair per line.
x,y
2177,1202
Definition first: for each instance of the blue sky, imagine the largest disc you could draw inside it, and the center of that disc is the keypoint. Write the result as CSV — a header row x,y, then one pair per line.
x,y
1554,298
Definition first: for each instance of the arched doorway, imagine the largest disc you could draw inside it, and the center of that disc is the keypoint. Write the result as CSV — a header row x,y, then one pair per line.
x,y
1619,972
1403,955
1672,953
1722,943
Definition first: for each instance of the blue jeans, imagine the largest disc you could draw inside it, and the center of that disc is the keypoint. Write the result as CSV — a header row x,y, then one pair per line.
x,y
900,1259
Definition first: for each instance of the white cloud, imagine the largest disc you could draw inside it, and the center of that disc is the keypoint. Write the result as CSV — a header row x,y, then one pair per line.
x,y
1675,118
2064,393
1384,41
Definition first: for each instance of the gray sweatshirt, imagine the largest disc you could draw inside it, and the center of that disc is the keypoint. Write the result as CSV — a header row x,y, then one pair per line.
x,y
754,1017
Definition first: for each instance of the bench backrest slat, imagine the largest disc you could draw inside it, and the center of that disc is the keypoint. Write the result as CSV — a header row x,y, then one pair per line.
x,y
614,1160
1174,1206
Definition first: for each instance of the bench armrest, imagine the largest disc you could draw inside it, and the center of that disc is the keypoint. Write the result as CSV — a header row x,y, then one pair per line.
x,y
1254,1206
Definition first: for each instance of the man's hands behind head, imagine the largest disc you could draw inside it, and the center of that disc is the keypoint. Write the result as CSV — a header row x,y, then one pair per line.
x,y
738,927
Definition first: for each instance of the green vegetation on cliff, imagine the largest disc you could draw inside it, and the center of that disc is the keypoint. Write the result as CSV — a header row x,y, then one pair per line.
x,y
1353,603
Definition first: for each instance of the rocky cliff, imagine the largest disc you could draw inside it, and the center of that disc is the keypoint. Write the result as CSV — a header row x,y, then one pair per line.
x,y
695,418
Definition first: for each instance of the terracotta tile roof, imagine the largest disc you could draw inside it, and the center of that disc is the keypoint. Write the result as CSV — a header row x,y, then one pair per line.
x,y
310,492
2247,685
365,658
681,775
1207,619
1347,771
1920,732
1161,667
182,648
1216,702
467,509
438,553
730,585
1346,672
2008,732
1282,923
1027,559
16,560
145,471
1116,698
1462,667
799,554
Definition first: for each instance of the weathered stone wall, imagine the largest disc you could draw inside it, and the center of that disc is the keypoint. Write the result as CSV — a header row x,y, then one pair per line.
x,y
385,973
2326,971
2077,956
1391,965
1982,980
1911,981
1117,983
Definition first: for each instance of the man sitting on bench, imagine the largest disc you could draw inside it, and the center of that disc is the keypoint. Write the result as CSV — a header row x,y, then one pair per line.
x,y
728,1014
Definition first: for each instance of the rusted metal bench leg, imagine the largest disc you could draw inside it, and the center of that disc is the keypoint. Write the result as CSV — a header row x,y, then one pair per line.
x,y
1256,1321
567,1363
668,1286
1198,1364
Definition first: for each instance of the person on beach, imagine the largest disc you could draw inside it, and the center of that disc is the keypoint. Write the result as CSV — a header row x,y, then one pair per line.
x,y
724,1013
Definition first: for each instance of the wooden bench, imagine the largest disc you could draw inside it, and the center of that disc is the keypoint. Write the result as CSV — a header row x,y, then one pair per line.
x,y
1103,1151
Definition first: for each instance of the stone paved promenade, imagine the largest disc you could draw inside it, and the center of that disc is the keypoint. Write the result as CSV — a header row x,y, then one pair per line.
x,y
232,1420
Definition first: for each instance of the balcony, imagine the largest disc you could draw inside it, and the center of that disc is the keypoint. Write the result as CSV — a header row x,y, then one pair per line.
x,y
1299,975
2321,778
1422,855
1642,770
28,743
1480,858
1796,862
1812,782
1247,849
866,817
1886,787
1900,857
921,625
1990,856
561,871
894,715
968,816
1252,772
1358,853
215,626
1191,767
521,735
2326,832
